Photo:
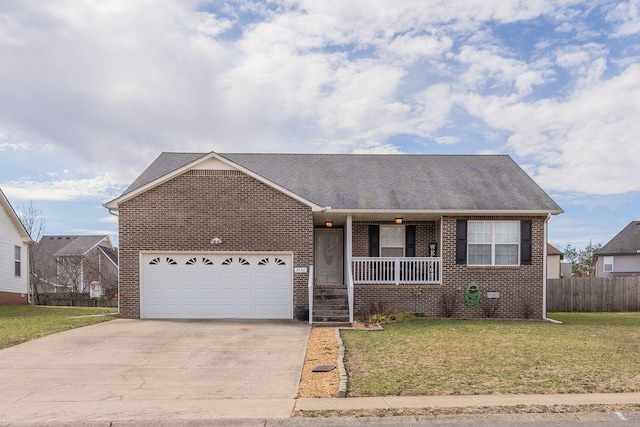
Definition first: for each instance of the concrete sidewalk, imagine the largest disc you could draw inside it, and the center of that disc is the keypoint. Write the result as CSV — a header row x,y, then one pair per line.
x,y
397,402
261,412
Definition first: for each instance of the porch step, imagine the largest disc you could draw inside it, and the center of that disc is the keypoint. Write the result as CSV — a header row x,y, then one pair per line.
x,y
333,316
332,324
330,305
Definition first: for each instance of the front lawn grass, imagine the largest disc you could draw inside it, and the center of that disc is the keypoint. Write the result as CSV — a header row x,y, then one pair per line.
x,y
589,353
20,323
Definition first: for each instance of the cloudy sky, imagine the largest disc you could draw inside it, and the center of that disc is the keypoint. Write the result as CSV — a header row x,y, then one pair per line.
x,y
92,91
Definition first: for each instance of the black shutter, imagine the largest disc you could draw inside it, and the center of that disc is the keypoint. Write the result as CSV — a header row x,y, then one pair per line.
x,y
374,241
525,242
461,241
410,241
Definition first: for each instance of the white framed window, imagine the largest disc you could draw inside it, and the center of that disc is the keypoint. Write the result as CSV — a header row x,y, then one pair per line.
x,y
392,240
493,242
18,261
607,263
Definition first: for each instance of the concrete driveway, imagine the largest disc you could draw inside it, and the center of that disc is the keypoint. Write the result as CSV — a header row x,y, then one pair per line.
x,y
155,369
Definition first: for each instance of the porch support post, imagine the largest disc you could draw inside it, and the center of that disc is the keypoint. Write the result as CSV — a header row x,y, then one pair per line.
x,y
349,242
349,272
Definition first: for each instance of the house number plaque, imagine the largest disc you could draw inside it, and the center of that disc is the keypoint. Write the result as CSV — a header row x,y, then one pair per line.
x,y
300,270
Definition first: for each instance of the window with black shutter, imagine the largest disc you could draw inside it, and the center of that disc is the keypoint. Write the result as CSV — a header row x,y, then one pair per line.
x,y
525,242
461,241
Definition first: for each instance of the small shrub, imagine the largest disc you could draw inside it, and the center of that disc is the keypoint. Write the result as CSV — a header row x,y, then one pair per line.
x,y
490,307
364,316
396,317
448,302
527,309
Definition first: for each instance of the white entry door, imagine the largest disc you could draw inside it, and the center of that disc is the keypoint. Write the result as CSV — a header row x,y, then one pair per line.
x,y
213,285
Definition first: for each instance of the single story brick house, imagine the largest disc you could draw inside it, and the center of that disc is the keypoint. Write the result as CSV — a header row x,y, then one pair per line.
x,y
210,235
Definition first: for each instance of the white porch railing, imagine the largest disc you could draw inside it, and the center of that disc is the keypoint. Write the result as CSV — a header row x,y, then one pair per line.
x,y
406,271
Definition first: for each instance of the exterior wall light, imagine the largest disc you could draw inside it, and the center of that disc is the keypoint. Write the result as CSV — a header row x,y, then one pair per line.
x,y
216,241
328,223
399,220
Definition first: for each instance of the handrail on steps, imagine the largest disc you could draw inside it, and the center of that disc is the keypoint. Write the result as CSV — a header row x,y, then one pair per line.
x,y
311,295
350,290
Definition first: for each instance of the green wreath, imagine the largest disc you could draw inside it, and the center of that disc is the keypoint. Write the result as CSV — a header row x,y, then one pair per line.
x,y
472,295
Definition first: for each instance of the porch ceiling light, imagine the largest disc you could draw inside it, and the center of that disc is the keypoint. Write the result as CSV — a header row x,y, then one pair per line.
x,y
399,220
328,223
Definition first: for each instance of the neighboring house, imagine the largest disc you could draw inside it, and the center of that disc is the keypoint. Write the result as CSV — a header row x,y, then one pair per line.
x,y
621,255
208,235
554,262
77,264
14,256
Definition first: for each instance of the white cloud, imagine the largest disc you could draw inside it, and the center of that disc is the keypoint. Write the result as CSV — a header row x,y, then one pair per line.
x,y
487,67
586,143
627,16
112,219
13,146
115,83
375,148
100,187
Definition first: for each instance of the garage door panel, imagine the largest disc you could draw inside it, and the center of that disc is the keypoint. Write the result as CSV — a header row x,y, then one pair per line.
x,y
280,310
280,294
263,293
188,285
264,310
209,293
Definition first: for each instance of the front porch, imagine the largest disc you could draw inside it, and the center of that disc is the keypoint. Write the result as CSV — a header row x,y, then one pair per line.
x,y
335,302
385,252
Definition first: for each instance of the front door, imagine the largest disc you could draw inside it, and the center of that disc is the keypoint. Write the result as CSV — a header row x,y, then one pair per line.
x,y
329,265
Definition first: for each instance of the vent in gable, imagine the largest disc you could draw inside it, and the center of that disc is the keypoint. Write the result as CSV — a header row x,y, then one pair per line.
x,y
214,164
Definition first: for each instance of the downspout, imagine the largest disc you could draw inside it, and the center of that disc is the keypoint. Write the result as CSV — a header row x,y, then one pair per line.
x,y
117,312
544,271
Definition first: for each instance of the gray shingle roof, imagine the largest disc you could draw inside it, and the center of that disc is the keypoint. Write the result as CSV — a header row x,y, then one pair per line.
x,y
626,242
552,250
68,245
111,253
395,182
50,247
161,166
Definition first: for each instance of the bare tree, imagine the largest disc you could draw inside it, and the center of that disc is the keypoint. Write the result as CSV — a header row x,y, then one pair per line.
x,y
34,223
97,268
583,260
109,279
71,275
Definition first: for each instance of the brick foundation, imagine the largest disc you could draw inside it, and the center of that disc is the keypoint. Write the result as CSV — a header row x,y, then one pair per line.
x,y
13,298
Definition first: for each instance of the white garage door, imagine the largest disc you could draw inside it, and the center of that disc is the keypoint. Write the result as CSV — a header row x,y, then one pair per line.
x,y
207,285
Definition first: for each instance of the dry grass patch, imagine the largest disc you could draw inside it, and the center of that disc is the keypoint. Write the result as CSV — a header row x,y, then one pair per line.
x,y
321,350
589,353
475,410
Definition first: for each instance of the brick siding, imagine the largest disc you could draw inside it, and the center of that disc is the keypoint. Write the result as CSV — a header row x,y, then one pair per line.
x,y
186,212
13,298
520,287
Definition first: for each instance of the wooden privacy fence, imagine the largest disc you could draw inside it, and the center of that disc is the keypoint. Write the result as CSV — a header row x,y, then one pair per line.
x,y
64,299
593,294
